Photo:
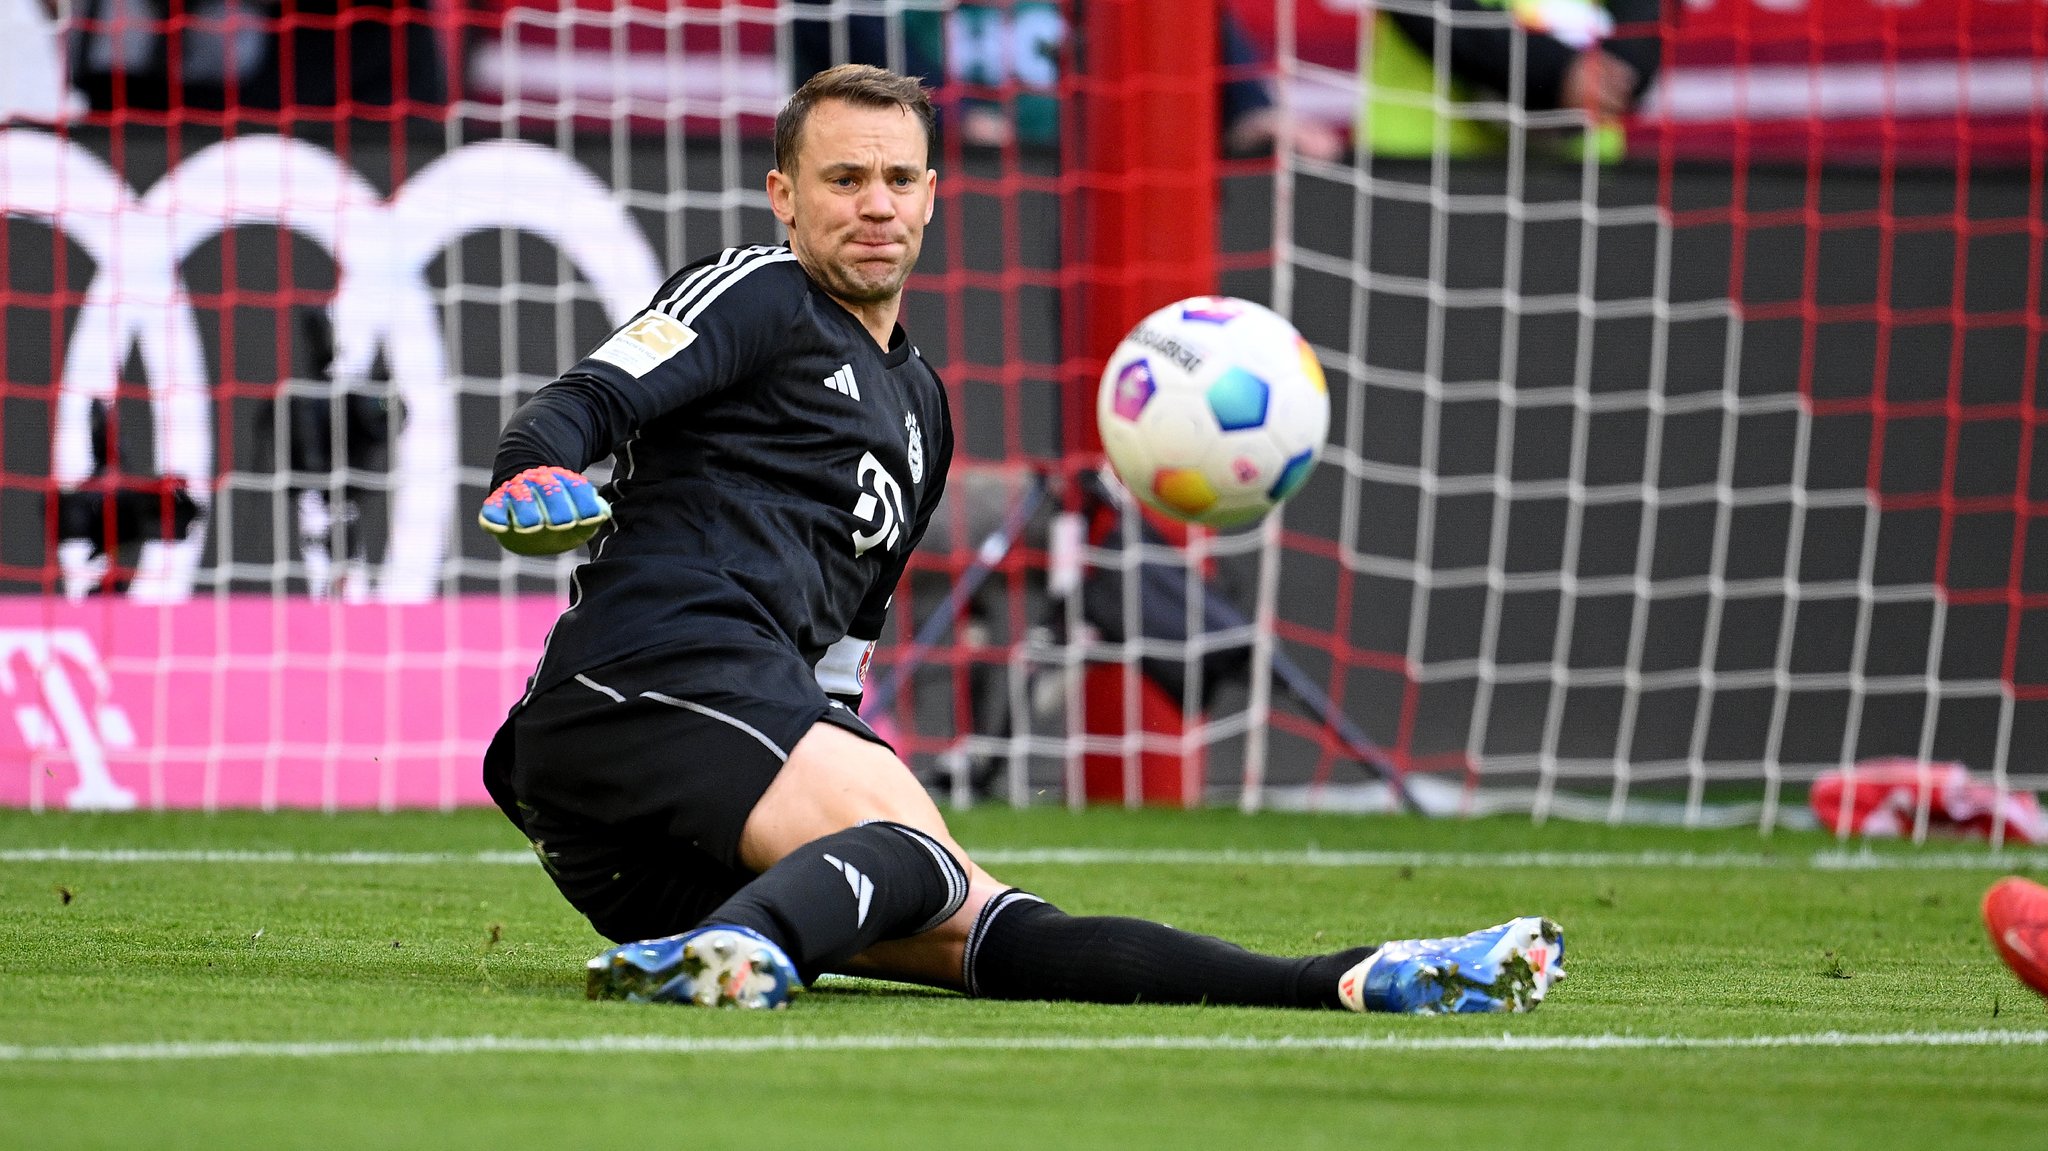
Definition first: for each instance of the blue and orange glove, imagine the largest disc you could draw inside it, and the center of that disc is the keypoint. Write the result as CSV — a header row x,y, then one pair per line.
x,y
543,511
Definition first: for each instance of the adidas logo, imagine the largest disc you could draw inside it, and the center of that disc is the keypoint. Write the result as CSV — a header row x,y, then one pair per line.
x,y
863,887
841,381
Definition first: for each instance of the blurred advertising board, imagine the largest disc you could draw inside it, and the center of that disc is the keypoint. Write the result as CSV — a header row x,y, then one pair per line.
x,y
1915,81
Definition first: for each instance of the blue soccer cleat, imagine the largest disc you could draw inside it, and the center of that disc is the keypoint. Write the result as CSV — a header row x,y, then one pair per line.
x,y
1505,968
716,966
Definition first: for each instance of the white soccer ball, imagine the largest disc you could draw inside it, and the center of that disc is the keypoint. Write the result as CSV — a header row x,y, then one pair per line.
x,y
1213,410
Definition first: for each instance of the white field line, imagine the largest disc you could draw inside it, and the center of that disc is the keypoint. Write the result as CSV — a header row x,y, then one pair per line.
x,y
1830,860
767,1044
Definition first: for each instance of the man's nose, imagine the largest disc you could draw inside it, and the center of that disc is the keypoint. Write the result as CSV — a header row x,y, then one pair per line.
x,y
876,203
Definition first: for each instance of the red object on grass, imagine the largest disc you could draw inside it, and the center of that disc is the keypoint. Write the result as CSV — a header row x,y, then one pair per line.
x,y
2016,915
1884,797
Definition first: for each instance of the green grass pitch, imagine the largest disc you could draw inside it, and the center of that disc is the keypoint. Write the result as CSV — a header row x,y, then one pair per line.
x,y
286,981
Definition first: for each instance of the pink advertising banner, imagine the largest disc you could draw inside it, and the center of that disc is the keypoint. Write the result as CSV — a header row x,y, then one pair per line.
x,y
254,702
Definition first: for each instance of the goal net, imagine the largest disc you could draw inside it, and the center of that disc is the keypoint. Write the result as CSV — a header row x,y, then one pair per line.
x,y
1664,483
274,283
1660,482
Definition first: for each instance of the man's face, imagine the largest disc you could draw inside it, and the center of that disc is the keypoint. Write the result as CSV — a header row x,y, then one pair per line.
x,y
859,199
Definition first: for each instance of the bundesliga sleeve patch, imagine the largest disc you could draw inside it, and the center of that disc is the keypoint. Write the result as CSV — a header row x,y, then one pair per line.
x,y
645,344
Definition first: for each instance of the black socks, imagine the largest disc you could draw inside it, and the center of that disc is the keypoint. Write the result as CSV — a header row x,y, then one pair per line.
x,y
1025,948
834,897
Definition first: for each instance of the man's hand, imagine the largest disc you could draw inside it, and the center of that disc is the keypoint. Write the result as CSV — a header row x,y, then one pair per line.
x,y
1600,84
543,511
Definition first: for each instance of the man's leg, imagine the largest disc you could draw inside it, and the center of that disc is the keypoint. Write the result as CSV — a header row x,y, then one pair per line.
x,y
1021,947
849,853
859,874
839,792
835,778
994,941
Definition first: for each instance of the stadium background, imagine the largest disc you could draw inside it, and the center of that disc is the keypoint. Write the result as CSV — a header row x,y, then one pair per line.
x,y
1785,355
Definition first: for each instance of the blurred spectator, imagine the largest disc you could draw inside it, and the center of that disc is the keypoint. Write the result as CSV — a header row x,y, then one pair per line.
x,y
110,515
256,53
1251,123
1572,59
911,41
32,66
337,434
917,36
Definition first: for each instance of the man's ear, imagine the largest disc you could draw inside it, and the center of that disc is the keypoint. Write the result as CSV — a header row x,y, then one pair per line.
x,y
781,197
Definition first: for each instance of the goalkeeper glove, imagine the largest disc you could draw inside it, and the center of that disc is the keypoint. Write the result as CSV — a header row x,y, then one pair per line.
x,y
543,511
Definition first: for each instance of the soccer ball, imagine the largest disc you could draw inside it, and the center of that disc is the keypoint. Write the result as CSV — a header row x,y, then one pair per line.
x,y
1213,410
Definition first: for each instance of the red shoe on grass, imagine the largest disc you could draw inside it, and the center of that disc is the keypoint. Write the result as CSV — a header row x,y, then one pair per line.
x,y
2016,914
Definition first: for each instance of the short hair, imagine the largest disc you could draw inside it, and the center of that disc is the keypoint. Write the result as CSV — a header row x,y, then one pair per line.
x,y
861,85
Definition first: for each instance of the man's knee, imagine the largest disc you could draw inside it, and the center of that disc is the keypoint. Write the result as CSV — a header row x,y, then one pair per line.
x,y
834,780
842,893
937,957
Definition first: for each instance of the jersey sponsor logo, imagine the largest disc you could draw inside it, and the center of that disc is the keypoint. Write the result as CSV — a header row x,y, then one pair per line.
x,y
842,381
880,504
645,344
916,447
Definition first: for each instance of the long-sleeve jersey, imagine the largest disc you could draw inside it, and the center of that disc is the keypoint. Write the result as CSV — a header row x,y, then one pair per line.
x,y
775,468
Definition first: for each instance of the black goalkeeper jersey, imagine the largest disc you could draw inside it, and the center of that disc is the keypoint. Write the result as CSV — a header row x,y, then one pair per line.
x,y
775,468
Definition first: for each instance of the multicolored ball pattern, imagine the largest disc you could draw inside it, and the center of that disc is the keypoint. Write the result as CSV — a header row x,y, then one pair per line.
x,y
1213,410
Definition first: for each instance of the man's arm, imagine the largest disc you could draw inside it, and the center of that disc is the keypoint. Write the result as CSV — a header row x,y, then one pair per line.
x,y
712,325
1637,40
1485,56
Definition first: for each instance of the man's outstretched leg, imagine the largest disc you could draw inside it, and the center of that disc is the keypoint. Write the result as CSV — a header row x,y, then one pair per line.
x,y
804,914
1024,948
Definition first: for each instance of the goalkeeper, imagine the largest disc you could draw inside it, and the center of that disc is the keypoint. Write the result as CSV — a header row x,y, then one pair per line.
x,y
688,760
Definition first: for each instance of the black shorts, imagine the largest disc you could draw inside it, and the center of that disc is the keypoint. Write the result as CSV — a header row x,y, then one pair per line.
x,y
634,780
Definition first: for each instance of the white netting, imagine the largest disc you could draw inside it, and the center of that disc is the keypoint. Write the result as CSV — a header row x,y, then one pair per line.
x,y
1656,489
1643,502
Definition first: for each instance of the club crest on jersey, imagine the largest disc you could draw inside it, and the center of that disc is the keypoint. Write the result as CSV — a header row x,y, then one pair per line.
x,y
916,447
